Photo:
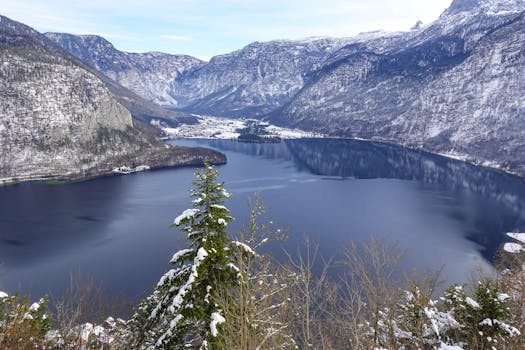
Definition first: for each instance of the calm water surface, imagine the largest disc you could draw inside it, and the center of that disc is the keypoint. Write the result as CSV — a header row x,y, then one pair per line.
x,y
442,212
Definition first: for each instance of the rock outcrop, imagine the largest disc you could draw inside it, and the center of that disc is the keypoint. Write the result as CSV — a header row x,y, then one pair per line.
x,y
58,119
453,86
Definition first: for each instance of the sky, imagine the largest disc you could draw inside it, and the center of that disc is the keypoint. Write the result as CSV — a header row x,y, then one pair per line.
x,y
204,28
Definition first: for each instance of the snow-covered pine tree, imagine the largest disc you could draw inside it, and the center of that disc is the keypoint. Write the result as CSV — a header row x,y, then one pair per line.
x,y
184,312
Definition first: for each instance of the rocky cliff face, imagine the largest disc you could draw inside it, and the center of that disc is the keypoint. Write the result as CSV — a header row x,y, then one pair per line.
x,y
151,74
251,81
453,86
56,117
453,89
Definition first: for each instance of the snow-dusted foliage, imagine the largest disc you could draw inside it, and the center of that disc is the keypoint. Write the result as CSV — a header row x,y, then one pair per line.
x,y
513,247
184,311
454,321
110,334
23,324
259,304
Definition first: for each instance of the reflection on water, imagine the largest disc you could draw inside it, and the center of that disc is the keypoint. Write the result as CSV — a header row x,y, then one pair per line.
x,y
372,160
441,211
503,211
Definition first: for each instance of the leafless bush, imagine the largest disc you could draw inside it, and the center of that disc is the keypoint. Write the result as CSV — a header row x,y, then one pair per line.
x,y
84,306
258,305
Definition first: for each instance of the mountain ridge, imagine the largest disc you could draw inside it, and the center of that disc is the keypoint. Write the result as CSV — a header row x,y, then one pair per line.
x,y
60,120
416,119
148,74
393,87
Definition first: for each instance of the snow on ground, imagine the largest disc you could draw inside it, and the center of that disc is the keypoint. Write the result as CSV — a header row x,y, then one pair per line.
x,y
210,127
454,155
513,248
482,163
286,133
517,236
188,213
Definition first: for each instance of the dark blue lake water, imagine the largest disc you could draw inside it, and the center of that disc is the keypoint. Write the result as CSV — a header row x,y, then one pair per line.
x,y
440,211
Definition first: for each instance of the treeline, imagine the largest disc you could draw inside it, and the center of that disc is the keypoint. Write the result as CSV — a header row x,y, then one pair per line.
x,y
222,293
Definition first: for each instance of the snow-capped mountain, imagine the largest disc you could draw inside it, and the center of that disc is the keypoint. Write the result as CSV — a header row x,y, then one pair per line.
x,y
488,6
59,119
139,107
255,80
252,81
455,88
149,74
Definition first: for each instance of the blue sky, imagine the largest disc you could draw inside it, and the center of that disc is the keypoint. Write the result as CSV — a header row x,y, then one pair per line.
x,y
204,28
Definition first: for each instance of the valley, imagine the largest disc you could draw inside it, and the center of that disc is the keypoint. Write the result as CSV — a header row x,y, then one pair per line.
x,y
369,177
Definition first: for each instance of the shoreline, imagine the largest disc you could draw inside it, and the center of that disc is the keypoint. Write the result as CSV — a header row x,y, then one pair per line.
x,y
457,157
107,170
173,157
213,128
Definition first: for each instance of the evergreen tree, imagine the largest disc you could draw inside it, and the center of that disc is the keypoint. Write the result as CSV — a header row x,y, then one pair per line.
x,y
184,311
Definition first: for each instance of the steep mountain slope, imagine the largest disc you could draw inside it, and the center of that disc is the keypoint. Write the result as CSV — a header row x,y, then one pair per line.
x,y
150,74
251,81
254,80
454,88
139,107
58,119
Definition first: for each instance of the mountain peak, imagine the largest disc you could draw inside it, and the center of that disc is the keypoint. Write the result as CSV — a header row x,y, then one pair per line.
x,y
492,6
7,25
88,39
417,26
464,5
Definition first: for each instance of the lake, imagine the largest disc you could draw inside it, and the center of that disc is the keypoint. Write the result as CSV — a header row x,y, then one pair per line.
x,y
441,212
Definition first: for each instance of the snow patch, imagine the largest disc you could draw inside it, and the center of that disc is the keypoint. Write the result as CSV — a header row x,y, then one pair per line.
x,y
244,247
513,248
85,331
201,254
444,346
216,319
34,307
188,213
180,253
472,303
517,236
210,127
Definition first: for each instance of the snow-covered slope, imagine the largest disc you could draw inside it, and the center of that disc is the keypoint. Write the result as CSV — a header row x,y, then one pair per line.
x,y
58,119
454,87
492,7
255,80
149,74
